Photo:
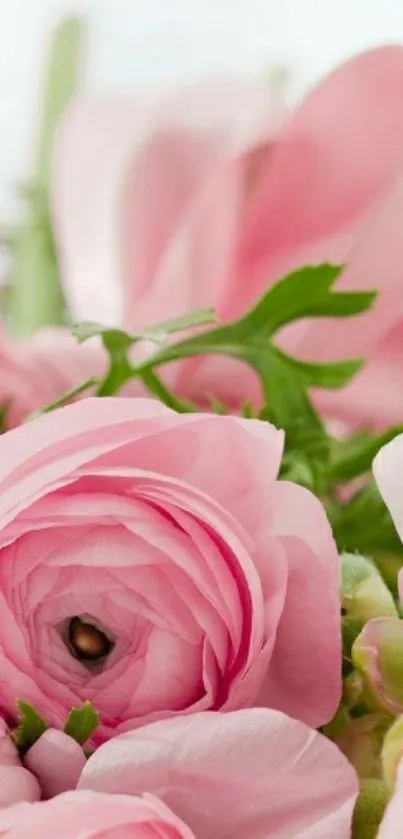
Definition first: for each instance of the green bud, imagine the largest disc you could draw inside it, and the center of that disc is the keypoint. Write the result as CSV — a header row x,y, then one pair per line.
x,y
377,654
364,593
392,752
361,742
370,807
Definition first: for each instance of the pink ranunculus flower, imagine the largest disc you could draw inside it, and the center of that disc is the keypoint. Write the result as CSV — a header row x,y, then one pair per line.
x,y
151,563
253,774
37,371
75,815
208,197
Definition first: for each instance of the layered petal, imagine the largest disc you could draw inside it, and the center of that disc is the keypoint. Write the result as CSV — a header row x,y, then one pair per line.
x,y
73,815
157,152
255,774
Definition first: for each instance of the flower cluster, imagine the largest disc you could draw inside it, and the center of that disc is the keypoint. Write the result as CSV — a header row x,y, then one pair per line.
x,y
201,515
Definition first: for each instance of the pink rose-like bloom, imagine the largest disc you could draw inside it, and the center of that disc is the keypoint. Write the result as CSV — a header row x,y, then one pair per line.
x,y
37,371
75,815
210,196
151,563
253,774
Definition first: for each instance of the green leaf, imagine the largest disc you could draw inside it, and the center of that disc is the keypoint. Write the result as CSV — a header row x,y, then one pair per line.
x,y
157,333
363,524
353,457
304,293
247,410
67,397
112,337
35,297
331,376
117,344
30,726
157,387
82,723
199,317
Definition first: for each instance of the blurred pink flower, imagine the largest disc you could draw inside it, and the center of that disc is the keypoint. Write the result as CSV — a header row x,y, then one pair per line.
x,y
164,204
39,370
145,568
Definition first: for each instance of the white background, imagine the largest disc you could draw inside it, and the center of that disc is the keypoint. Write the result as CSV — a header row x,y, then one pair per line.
x,y
172,41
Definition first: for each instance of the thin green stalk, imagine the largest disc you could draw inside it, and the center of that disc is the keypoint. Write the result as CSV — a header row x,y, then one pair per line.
x,y
36,298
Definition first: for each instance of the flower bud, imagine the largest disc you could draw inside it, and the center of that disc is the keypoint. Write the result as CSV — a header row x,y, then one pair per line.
x,y
370,808
57,761
365,595
378,656
392,752
353,689
361,742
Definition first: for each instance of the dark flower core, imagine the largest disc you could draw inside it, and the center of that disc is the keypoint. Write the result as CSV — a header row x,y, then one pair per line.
x,y
87,642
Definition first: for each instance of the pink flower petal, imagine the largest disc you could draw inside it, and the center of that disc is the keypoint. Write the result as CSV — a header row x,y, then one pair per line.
x,y
205,122
255,774
388,473
391,827
56,760
79,815
313,571
17,784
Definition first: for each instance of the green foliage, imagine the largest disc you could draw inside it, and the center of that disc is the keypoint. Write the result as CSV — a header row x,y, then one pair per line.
x,y
82,723
30,726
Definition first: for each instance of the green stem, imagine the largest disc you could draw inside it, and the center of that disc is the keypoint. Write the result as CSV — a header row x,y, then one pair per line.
x,y
36,298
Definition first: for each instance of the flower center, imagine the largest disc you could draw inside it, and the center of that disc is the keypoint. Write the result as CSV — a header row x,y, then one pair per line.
x,y
87,642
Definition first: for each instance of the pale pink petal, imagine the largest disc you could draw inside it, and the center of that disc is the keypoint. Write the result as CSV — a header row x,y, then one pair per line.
x,y
249,773
342,149
374,263
39,370
56,760
88,815
355,405
388,473
312,604
17,784
95,160
391,827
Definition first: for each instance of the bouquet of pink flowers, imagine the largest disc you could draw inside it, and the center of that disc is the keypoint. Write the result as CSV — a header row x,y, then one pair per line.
x,y
201,466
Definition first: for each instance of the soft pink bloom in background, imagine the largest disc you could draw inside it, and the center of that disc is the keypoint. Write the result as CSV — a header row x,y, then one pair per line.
x,y
168,204
253,774
217,584
39,370
76,815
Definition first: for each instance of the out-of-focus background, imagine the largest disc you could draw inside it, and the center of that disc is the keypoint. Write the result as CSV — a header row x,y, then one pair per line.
x,y
170,41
